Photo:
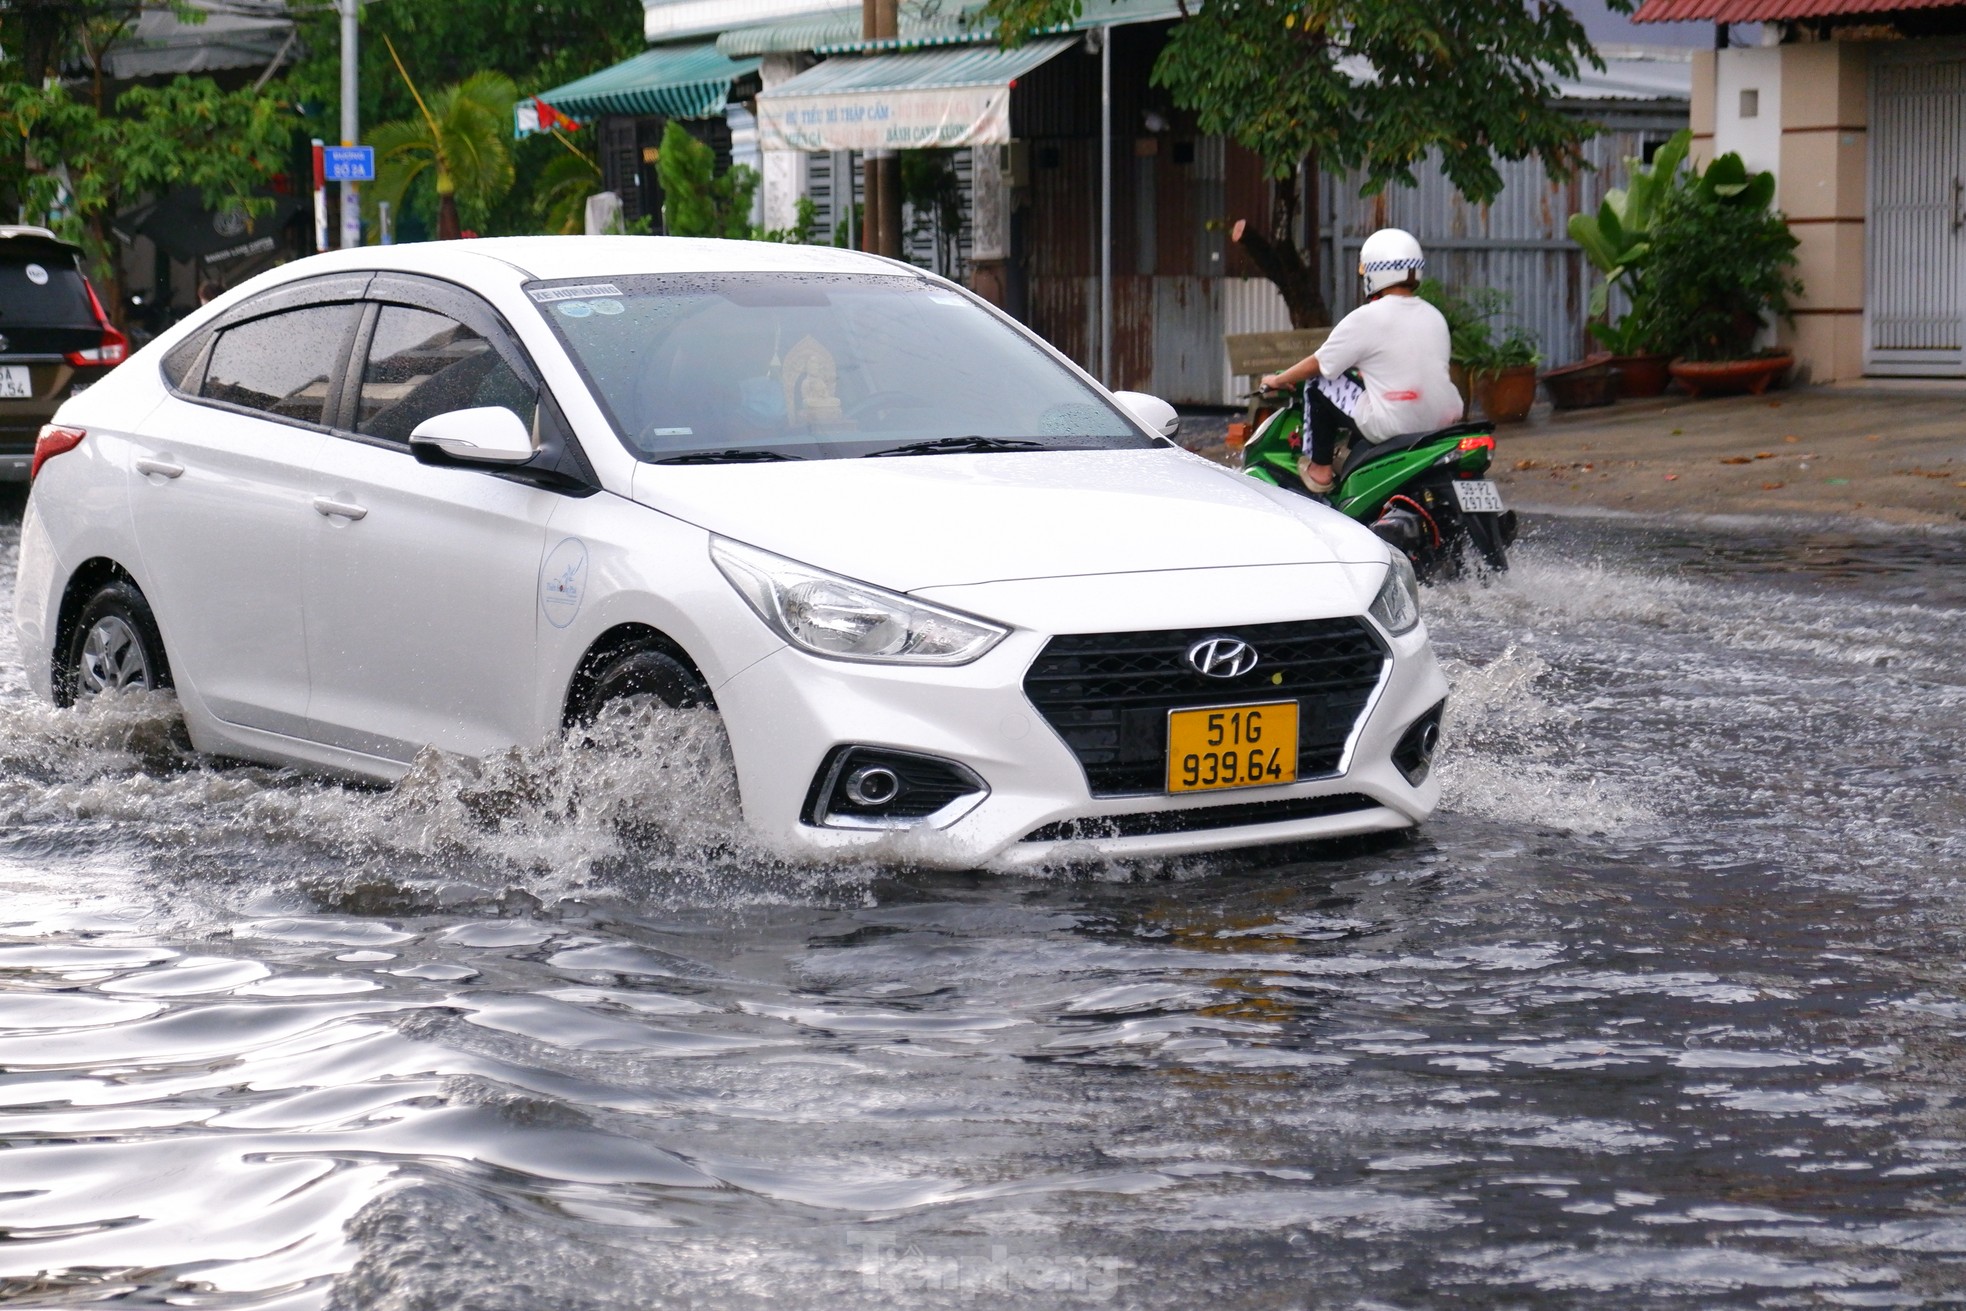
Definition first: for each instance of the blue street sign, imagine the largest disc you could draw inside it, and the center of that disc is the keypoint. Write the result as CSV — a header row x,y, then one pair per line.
x,y
348,163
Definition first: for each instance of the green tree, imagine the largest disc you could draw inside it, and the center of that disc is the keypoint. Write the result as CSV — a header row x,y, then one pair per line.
x,y
1367,85
539,45
934,193
561,191
460,137
696,202
74,168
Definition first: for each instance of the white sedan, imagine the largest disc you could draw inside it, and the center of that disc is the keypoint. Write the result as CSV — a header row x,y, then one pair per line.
x,y
952,600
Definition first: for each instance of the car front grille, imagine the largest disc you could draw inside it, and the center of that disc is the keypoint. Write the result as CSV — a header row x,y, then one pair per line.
x,y
1108,694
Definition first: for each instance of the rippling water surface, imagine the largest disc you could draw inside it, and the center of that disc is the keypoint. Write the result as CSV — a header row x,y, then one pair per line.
x,y
1665,1008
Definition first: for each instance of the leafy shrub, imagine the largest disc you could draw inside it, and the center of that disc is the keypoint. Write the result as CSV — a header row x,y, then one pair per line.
x,y
1720,260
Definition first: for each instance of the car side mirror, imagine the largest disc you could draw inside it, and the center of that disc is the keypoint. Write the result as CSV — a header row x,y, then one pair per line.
x,y
486,434
1151,412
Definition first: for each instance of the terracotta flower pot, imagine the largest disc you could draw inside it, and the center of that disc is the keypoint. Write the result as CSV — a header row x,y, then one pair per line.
x,y
1582,385
1506,397
1731,377
1641,375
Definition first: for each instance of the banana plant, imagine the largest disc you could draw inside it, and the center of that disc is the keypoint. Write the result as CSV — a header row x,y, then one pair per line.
x,y
1727,178
1616,238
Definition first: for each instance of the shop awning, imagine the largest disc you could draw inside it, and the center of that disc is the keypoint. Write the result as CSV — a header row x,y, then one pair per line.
x,y
690,81
837,31
957,96
1769,11
180,223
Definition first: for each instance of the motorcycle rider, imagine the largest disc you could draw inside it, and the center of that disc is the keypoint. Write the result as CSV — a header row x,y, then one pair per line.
x,y
1398,346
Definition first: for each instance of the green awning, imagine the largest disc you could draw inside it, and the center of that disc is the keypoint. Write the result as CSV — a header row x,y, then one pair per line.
x,y
690,81
793,35
838,31
955,96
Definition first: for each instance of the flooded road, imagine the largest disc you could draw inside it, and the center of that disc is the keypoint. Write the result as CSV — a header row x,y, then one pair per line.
x,y
1665,1009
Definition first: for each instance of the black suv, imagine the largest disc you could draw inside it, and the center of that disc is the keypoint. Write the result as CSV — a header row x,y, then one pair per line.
x,y
54,338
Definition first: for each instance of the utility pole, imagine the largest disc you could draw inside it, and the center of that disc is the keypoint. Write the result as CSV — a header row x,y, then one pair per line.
x,y
881,20
351,128
1106,206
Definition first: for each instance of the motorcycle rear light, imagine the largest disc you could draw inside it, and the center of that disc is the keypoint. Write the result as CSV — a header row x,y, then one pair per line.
x,y
114,347
1484,443
52,441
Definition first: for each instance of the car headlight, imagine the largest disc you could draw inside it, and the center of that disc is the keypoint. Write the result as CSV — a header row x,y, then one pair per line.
x,y
846,620
1398,604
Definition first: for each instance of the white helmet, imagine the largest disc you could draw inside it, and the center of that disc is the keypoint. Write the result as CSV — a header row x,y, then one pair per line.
x,y
1387,256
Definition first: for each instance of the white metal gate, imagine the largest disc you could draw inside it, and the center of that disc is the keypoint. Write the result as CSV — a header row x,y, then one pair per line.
x,y
1915,312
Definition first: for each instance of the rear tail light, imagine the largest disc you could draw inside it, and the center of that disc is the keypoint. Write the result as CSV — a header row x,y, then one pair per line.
x,y
114,347
1484,443
53,441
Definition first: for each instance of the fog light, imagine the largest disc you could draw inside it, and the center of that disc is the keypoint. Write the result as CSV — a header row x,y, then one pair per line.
x,y
872,785
1414,756
879,787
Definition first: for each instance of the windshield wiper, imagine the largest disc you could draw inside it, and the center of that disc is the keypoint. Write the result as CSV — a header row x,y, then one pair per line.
x,y
752,456
960,446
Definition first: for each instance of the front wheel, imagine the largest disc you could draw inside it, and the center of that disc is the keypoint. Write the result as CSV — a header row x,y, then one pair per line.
x,y
115,647
638,673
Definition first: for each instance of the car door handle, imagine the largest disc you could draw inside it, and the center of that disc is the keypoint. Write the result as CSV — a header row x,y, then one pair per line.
x,y
163,468
331,508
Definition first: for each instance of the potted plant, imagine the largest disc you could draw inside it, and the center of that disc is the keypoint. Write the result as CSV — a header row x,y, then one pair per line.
x,y
1721,261
1504,375
1618,241
1497,375
1589,382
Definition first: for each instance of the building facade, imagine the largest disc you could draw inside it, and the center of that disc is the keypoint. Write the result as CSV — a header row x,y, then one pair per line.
x,y
1004,169
1859,109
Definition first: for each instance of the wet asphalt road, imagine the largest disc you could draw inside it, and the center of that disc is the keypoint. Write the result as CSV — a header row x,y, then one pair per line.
x,y
1664,1009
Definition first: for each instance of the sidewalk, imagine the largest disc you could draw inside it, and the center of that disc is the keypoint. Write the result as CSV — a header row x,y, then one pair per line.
x,y
1886,451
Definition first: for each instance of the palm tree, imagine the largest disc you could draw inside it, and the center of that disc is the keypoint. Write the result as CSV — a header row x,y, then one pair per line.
x,y
462,133
560,195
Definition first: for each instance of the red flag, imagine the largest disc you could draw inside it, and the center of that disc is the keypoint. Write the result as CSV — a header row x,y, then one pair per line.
x,y
551,118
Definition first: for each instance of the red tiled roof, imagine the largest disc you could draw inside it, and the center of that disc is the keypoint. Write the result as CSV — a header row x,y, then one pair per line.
x,y
1768,11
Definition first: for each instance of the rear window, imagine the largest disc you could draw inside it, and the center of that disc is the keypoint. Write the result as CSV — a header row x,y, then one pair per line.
x,y
43,289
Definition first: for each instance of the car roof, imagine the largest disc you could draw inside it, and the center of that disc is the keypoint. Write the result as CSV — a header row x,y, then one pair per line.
x,y
21,237
553,258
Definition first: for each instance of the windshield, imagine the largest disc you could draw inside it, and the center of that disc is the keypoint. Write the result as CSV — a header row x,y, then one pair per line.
x,y
763,366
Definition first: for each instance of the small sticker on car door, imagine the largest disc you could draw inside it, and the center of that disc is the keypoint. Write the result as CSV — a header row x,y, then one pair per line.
x,y
563,582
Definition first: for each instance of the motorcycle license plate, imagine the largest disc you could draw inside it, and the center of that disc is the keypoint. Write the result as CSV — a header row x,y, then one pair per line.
x,y
1231,747
1477,496
15,385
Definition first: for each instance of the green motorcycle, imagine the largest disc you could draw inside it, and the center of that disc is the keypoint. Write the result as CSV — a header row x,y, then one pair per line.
x,y
1425,492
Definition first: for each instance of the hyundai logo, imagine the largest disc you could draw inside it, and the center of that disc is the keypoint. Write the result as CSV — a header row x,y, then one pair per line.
x,y
1222,657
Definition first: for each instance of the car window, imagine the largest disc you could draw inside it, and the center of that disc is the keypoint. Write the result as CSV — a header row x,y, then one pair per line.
x,y
421,364
818,366
43,289
282,364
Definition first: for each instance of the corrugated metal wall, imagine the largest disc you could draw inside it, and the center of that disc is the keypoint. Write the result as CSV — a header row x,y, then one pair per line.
x,y
1519,244
1179,287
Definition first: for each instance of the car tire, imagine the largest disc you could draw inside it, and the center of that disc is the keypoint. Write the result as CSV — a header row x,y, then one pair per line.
x,y
115,646
638,671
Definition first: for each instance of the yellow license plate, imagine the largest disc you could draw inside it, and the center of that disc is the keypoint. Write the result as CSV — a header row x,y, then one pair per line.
x,y
1231,747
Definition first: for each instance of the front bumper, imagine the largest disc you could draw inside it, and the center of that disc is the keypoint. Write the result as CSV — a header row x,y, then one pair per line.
x,y
786,713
